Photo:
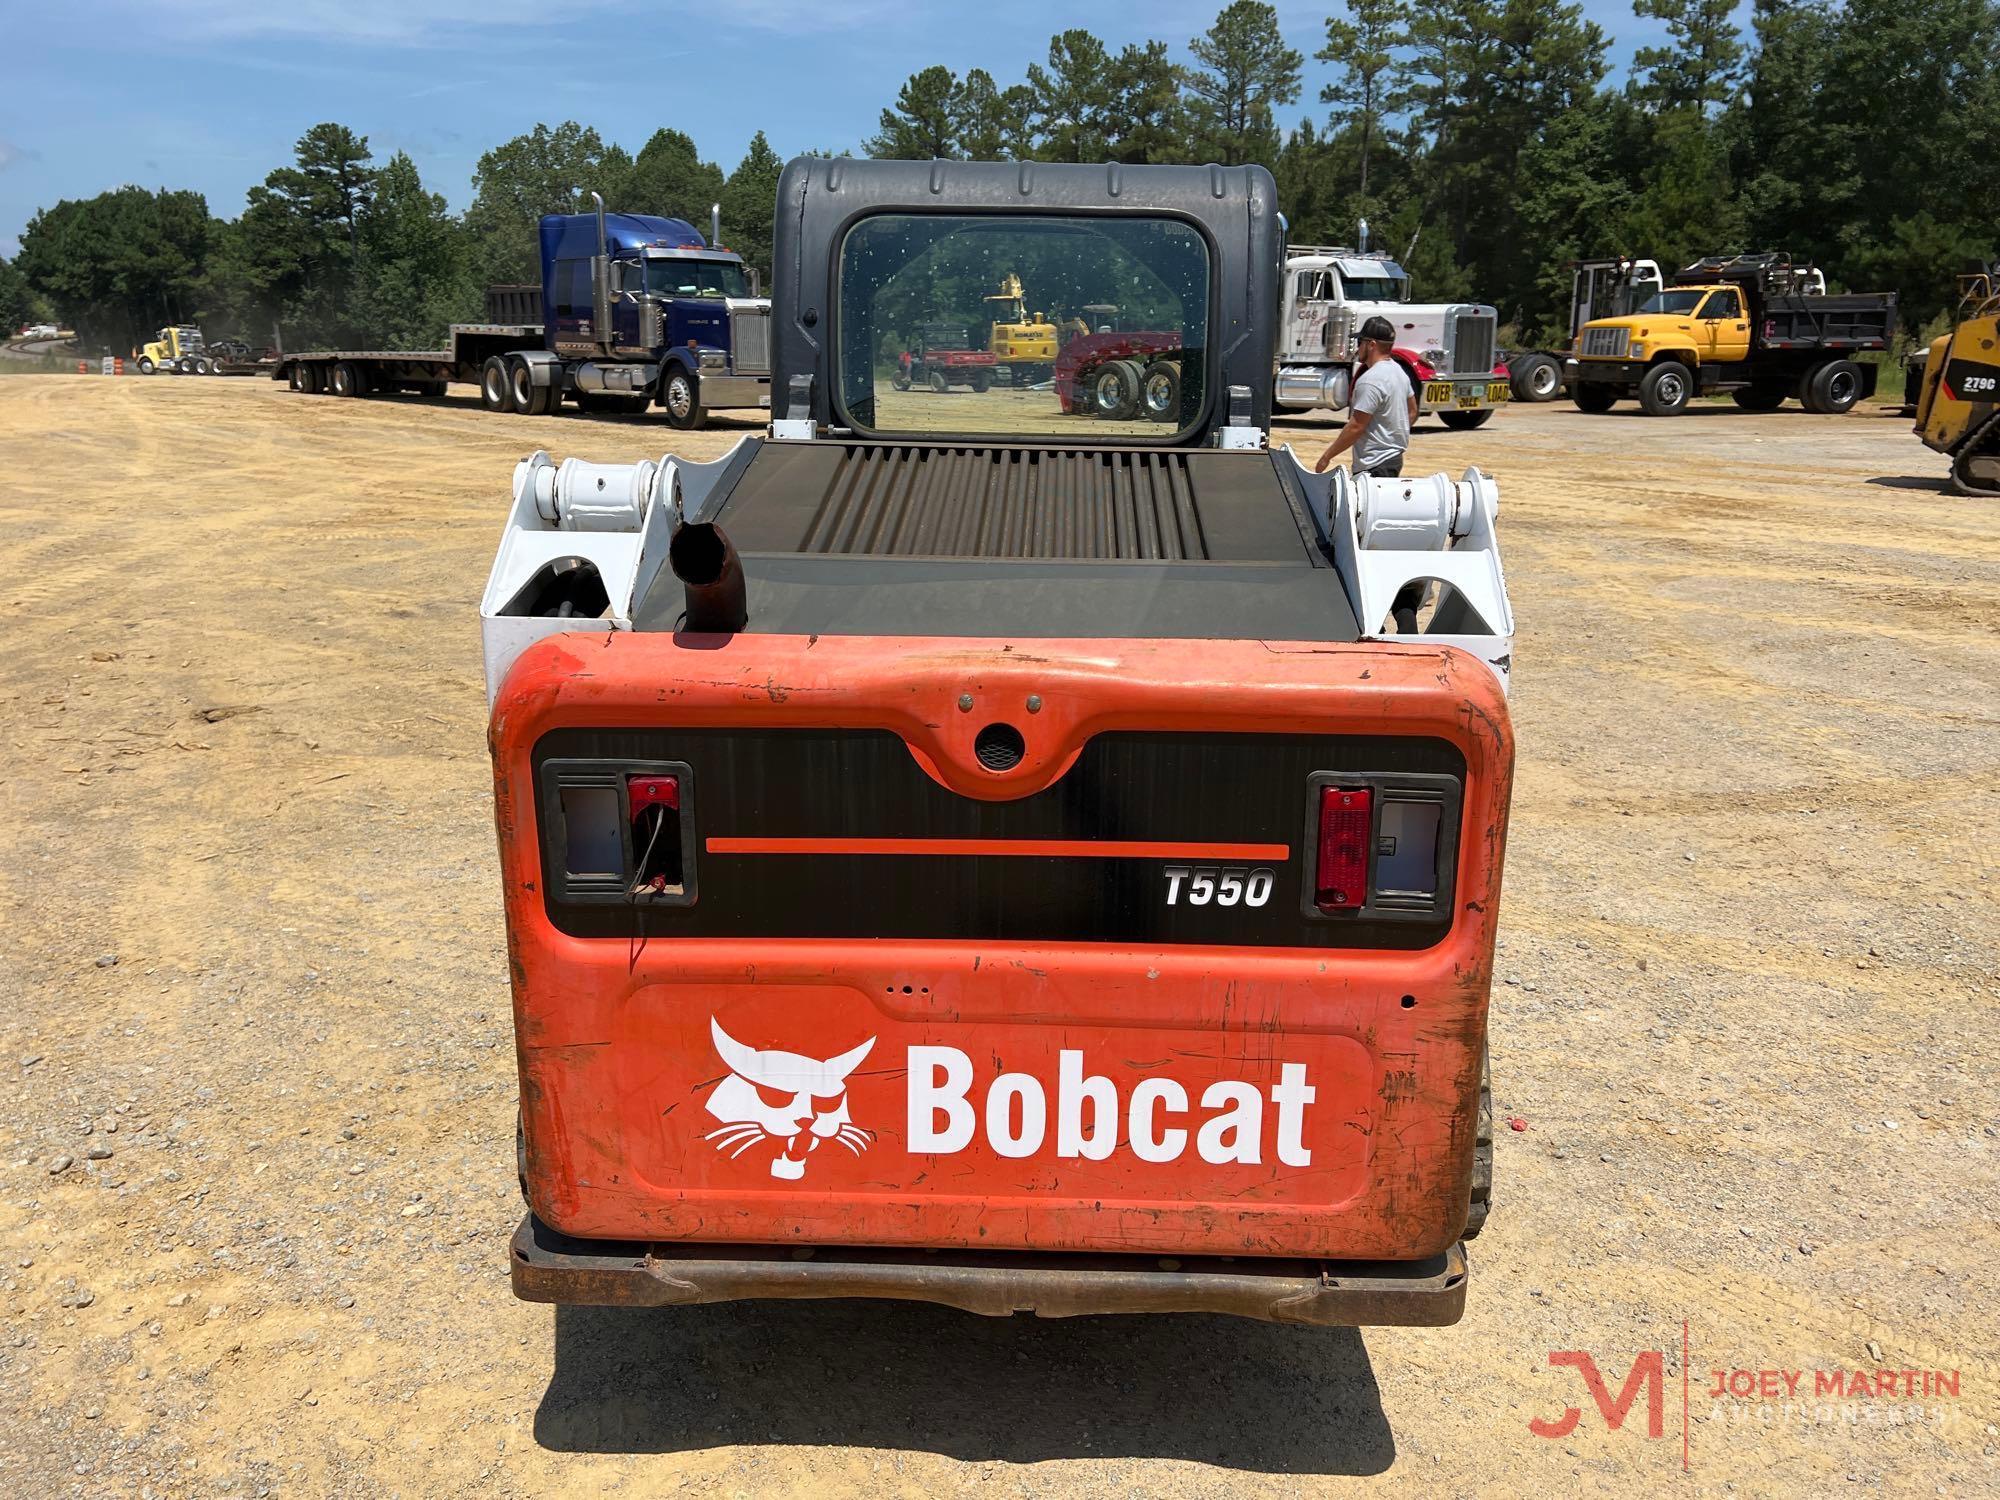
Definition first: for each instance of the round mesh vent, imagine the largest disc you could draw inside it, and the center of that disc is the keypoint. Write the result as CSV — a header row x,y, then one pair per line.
x,y
999,747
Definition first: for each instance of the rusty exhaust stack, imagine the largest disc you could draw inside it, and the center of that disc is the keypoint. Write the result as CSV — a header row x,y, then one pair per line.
x,y
709,569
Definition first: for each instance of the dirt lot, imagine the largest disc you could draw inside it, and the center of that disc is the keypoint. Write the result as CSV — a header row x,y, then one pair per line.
x,y
252,949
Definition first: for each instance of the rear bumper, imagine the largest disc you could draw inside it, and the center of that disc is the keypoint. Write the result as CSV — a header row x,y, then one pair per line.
x,y
552,1267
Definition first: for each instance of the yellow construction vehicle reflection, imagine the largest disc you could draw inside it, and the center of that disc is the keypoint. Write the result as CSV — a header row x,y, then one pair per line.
x,y
1023,343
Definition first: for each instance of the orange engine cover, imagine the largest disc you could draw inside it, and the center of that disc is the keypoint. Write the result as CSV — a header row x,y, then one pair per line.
x,y
915,1001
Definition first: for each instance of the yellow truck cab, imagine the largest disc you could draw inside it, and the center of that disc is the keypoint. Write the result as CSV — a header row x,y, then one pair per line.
x,y
176,351
1755,326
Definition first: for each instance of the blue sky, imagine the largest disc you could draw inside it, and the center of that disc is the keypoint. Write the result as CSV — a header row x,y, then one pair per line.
x,y
211,94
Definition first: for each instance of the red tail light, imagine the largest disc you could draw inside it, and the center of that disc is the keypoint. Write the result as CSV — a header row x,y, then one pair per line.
x,y
1346,829
653,791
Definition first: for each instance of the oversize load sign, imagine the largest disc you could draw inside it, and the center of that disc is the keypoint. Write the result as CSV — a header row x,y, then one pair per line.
x,y
850,1099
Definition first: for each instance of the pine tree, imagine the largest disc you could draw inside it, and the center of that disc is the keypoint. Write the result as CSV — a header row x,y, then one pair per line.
x,y
1246,70
1364,51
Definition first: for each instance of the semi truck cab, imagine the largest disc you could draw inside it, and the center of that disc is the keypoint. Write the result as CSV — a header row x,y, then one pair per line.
x,y
957,851
642,307
1448,349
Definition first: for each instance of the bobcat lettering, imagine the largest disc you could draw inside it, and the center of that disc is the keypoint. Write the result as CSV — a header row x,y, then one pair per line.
x,y
1226,1124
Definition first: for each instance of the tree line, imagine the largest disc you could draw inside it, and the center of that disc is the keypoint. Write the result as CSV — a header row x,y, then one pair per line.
x,y
1487,143
336,248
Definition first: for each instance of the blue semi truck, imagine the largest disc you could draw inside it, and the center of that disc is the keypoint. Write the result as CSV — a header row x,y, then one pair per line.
x,y
633,311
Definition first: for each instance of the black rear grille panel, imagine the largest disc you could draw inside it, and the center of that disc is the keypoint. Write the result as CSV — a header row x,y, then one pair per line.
x,y
1008,502
863,783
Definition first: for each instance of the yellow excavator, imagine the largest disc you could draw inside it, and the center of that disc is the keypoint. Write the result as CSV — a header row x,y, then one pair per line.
x,y
1023,343
1958,404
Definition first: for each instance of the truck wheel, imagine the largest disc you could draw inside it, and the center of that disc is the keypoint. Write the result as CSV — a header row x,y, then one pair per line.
x,y
345,382
1834,388
1535,377
982,381
901,379
1160,391
295,377
201,367
1482,1152
523,395
1760,395
146,366
493,383
1114,390
1593,397
940,382
681,396
1465,421
1665,389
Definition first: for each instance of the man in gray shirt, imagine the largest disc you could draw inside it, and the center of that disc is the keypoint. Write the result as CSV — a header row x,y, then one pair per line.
x,y
1381,408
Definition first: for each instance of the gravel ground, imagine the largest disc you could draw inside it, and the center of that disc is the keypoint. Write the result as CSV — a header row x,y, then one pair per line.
x,y
256,1168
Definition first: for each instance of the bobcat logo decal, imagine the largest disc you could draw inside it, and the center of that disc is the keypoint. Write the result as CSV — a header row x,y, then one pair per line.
x,y
781,1096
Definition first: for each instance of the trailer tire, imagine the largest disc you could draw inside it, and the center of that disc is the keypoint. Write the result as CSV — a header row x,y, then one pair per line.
x,y
346,379
493,383
524,397
1482,1153
1465,421
294,378
1833,388
1114,390
1160,391
1535,377
315,376
680,395
982,382
1593,396
1664,390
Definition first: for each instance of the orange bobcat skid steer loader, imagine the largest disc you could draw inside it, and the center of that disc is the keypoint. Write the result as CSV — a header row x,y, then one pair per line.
x,y
956,855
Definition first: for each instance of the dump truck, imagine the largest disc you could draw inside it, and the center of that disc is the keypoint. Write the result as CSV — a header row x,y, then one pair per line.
x,y
1613,287
1958,402
1446,348
632,311
1031,871
1757,326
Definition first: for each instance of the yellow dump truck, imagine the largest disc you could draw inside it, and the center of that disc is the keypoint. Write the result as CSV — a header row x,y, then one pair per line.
x,y
1755,326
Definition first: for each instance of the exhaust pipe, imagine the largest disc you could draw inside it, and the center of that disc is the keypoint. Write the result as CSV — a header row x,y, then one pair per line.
x,y
1362,246
712,574
715,226
603,235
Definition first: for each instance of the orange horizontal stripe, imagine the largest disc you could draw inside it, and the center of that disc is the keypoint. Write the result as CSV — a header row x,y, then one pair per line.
x,y
1040,848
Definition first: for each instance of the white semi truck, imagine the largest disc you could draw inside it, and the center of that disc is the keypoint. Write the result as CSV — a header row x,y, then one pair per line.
x,y
1448,348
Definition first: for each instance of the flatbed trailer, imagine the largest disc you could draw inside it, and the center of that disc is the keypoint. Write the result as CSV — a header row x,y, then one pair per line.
x,y
362,372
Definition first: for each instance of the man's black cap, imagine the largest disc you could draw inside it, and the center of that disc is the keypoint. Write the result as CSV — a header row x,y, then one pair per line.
x,y
1379,329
